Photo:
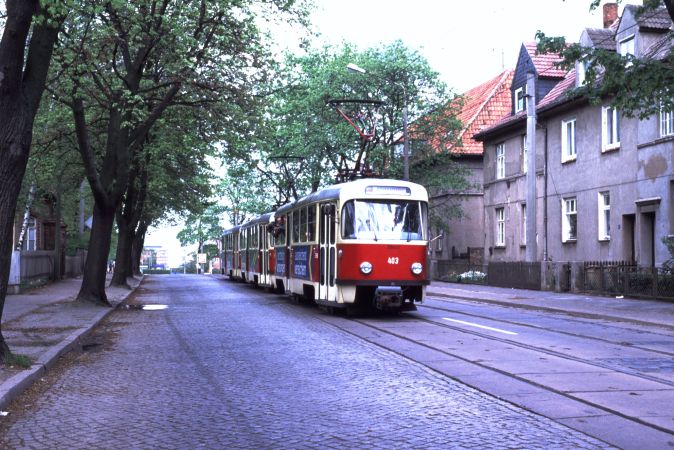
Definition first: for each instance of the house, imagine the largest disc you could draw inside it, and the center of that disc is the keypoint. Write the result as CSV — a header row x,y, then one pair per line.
x,y
482,106
34,244
604,181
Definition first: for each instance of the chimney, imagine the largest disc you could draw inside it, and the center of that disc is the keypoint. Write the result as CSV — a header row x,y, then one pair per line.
x,y
610,14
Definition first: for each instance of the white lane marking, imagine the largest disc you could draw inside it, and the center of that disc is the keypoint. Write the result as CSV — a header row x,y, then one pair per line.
x,y
480,326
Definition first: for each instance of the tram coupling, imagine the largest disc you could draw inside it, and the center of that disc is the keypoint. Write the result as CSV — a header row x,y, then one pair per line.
x,y
388,298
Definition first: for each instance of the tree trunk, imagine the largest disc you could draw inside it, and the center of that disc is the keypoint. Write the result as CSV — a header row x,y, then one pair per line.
x,y
22,81
11,174
123,256
58,251
95,268
137,247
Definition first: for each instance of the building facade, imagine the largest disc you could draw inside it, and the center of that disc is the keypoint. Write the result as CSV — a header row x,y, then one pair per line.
x,y
604,181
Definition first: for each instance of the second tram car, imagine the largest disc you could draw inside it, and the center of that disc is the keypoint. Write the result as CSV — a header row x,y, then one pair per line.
x,y
357,244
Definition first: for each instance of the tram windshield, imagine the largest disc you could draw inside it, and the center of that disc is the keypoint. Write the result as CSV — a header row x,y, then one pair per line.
x,y
384,220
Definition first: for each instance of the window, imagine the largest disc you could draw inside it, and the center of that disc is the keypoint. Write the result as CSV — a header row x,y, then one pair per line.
x,y
377,220
439,241
627,46
568,140
500,160
581,72
524,225
311,223
523,148
604,210
30,241
569,220
296,226
610,128
500,227
519,95
666,123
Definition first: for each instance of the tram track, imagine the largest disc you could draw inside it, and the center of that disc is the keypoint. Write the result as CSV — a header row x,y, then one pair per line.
x,y
384,330
561,332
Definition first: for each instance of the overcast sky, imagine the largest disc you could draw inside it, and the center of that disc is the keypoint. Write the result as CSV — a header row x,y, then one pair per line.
x,y
468,42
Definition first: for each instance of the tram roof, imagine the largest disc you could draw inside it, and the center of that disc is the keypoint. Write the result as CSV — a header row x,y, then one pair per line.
x,y
357,189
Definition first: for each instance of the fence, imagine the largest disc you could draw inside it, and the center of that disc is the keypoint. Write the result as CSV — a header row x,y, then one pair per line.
x,y
620,277
37,265
520,275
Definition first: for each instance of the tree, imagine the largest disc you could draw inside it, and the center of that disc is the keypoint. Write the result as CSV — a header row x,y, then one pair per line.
x,y
305,142
125,64
30,31
636,86
202,227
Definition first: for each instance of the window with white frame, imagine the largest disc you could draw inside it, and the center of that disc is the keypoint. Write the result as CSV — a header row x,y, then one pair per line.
x,y
569,220
524,224
581,72
523,148
500,227
666,123
439,241
610,118
627,46
519,100
500,160
568,140
604,212
30,241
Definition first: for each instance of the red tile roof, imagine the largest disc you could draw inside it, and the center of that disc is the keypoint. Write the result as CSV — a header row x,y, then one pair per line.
x,y
544,63
483,105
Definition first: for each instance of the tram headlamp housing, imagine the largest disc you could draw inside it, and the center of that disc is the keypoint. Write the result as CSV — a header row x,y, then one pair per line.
x,y
417,268
366,267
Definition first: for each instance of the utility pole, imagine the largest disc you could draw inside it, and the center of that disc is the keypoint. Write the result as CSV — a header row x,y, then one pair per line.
x,y
406,145
531,249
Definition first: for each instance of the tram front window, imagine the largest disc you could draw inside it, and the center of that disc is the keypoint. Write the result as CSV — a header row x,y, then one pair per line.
x,y
384,220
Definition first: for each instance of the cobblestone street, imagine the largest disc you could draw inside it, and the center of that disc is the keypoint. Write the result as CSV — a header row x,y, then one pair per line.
x,y
228,366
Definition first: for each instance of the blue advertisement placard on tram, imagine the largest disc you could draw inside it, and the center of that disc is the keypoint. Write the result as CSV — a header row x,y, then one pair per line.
x,y
281,262
301,262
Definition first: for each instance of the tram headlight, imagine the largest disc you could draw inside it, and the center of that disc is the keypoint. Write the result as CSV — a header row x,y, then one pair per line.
x,y
365,267
417,268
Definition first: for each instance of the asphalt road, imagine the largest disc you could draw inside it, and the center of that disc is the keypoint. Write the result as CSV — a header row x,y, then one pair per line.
x,y
225,365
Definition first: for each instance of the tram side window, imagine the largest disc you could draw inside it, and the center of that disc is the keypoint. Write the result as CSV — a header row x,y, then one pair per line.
x,y
303,224
348,221
242,239
311,223
280,233
296,225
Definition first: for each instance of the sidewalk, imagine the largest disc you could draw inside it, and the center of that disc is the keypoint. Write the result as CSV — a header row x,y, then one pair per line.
x,y
654,312
44,323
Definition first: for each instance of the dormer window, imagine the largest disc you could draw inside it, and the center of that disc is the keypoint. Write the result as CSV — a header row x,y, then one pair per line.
x,y
581,71
626,46
519,99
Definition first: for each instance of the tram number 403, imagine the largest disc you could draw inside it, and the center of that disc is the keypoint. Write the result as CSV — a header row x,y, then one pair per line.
x,y
393,260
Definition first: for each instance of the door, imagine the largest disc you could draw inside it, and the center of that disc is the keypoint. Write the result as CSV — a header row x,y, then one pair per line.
x,y
264,264
629,221
327,290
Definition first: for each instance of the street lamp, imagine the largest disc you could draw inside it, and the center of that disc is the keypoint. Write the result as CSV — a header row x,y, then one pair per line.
x,y
351,67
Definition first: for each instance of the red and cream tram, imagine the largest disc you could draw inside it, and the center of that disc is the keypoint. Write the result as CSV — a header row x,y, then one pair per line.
x,y
361,243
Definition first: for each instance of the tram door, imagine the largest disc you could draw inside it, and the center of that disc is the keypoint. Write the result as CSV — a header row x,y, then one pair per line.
x,y
264,255
327,289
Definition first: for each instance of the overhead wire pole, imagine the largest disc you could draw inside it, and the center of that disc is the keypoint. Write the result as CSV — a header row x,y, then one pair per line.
x,y
530,238
351,67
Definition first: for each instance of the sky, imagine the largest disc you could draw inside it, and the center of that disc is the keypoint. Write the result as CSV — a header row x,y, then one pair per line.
x,y
467,42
